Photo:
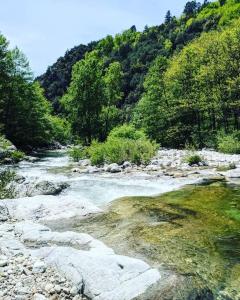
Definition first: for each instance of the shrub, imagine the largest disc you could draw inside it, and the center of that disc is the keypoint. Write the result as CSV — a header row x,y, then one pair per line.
x,y
127,132
17,156
229,143
123,144
77,153
96,153
193,159
6,191
4,143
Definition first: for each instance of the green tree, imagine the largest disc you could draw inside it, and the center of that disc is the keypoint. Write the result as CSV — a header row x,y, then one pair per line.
x,y
151,113
84,98
112,96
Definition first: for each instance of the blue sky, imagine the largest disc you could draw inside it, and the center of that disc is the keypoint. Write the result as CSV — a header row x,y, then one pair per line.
x,y
45,29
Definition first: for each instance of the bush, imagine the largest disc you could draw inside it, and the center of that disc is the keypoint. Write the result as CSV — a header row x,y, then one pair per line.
x,y
17,156
97,153
77,153
6,191
4,143
127,132
229,144
193,159
123,144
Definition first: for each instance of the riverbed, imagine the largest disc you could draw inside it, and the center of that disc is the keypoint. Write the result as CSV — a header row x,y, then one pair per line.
x,y
186,228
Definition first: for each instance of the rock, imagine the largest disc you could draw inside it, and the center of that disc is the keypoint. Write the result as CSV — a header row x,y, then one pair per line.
x,y
152,168
127,164
93,169
48,188
11,148
105,277
7,161
31,159
39,297
213,178
233,173
74,291
22,290
49,208
4,214
3,263
113,168
84,163
39,267
49,287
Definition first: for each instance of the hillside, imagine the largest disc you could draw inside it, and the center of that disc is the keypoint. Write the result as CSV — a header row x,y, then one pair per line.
x,y
136,50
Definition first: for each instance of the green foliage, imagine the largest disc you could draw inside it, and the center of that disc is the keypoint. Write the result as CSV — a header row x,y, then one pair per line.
x,y
4,143
78,152
123,144
224,10
84,97
17,156
60,130
229,143
193,159
92,97
97,153
24,111
6,177
126,132
135,51
196,94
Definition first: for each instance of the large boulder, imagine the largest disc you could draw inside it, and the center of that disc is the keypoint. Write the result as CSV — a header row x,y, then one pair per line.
x,y
31,188
114,168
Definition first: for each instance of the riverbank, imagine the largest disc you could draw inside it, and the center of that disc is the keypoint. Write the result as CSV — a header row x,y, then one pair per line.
x,y
92,263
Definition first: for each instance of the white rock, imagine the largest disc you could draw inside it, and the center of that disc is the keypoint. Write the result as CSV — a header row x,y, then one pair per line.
x,y
39,267
3,263
114,168
48,208
84,162
233,173
127,164
110,277
39,297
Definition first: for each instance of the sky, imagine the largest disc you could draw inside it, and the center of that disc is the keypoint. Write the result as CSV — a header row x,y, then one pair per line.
x,y
45,29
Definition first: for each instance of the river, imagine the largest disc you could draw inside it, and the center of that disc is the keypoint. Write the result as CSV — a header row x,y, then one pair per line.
x,y
189,232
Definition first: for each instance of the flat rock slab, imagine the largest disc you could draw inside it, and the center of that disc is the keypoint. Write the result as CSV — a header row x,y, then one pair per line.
x,y
101,276
97,272
47,208
233,173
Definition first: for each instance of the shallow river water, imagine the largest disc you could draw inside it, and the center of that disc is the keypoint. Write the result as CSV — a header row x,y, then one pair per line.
x,y
190,232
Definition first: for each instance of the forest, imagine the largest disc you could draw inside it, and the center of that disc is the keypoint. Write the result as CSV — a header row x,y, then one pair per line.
x,y
175,85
